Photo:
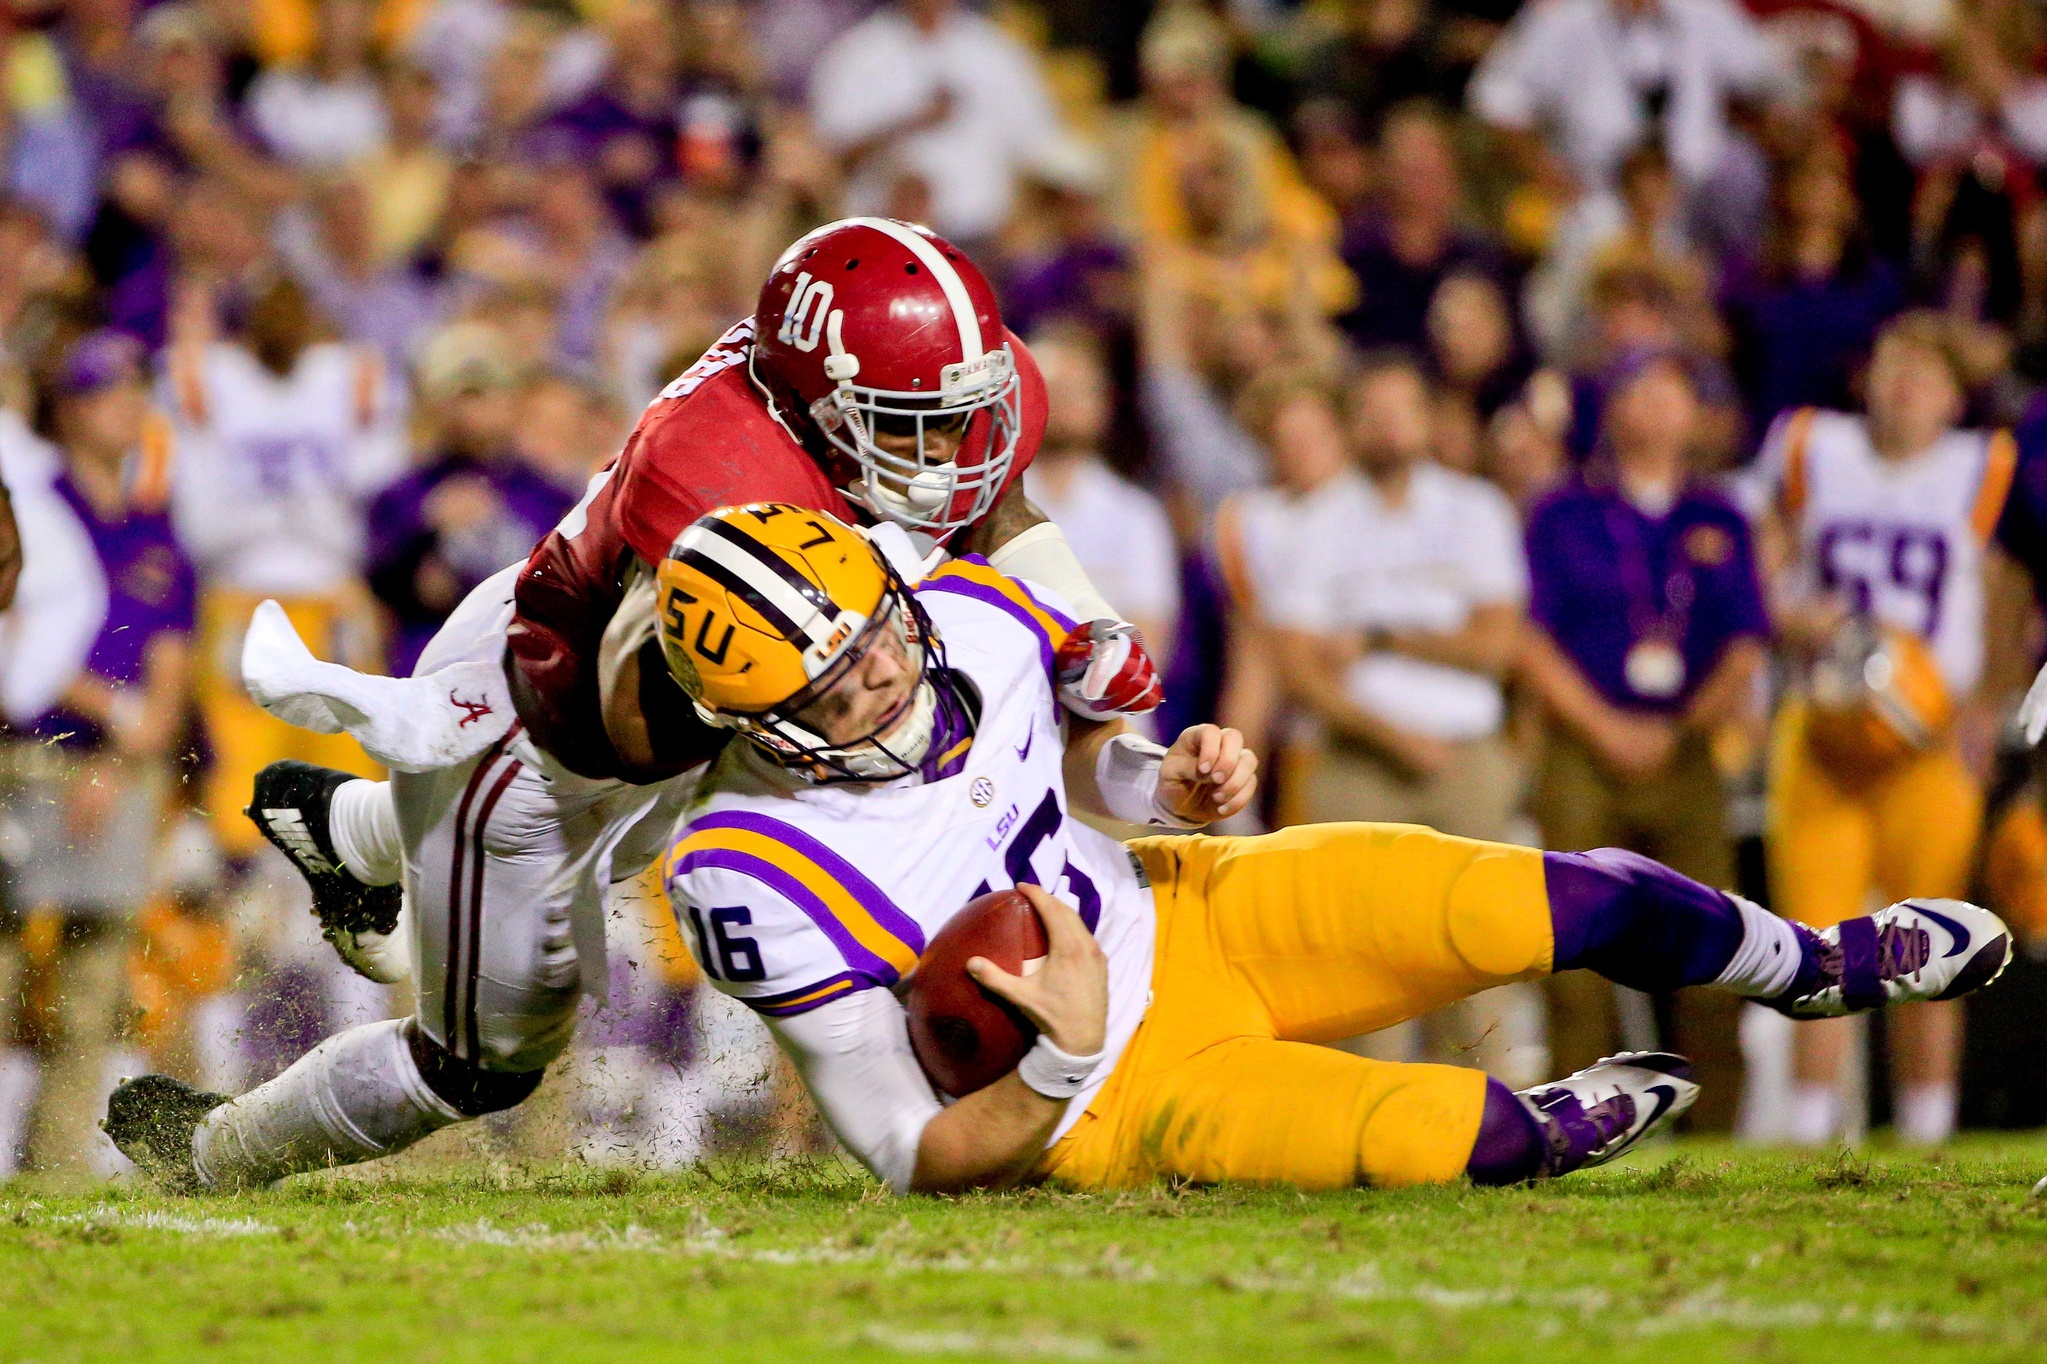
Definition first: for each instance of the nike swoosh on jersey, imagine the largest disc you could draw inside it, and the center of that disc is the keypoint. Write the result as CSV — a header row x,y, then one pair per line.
x,y
1023,754
1960,934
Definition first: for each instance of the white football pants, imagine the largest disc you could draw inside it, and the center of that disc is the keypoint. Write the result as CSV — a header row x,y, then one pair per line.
x,y
502,858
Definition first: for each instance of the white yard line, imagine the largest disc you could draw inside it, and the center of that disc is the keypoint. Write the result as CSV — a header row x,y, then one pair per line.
x,y
969,1343
104,1216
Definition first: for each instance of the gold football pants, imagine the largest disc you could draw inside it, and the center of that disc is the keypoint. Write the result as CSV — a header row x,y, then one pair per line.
x,y
1269,945
1908,831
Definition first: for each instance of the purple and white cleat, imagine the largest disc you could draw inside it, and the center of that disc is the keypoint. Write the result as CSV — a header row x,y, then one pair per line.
x,y
1912,950
1603,1111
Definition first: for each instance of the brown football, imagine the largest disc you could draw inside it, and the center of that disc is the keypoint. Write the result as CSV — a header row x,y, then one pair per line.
x,y
965,1037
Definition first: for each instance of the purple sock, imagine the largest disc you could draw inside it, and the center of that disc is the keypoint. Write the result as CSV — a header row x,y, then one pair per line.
x,y
1510,1148
1636,921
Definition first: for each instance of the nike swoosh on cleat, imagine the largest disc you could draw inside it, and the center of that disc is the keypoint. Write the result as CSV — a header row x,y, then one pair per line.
x,y
1666,1095
1023,754
1961,934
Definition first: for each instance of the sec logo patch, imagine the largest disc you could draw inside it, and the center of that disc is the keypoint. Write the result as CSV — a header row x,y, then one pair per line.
x,y
982,793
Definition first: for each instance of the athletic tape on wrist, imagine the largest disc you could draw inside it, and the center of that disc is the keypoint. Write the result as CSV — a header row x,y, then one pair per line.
x,y
1127,775
1056,1074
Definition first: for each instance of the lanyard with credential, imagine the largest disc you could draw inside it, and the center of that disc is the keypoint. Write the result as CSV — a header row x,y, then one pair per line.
x,y
1655,663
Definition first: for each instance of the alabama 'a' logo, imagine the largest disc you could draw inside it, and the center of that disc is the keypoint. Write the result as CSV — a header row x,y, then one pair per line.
x,y
472,711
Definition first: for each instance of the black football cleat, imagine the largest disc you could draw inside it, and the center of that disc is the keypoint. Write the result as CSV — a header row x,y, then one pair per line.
x,y
291,808
151,1120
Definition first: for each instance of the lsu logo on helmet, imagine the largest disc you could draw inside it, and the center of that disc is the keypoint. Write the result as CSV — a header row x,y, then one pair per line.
x,y
1877,699
758,601
765,608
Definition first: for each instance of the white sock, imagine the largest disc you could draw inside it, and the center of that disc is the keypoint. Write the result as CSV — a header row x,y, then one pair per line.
x,y
1815,1113
1924,1113
363,822
18,1082
1769,956
356,1096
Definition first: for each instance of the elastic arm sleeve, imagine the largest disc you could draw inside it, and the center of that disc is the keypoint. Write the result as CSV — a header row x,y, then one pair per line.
x,y
855,1059
1041,555
635,622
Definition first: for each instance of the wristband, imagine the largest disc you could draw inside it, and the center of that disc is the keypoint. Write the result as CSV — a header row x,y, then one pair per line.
x,y
1127,775
1054,1073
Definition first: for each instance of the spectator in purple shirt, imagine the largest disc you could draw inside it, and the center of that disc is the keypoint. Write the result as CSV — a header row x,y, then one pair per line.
x,y
88,787
473,507
1649,632
1416,236
1806,313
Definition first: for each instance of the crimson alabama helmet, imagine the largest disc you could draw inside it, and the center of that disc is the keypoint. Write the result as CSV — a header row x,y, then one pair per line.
x,y
873,326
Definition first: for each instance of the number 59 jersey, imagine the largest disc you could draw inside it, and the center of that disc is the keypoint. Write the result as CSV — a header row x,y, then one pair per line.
x,y
792,895
1902,542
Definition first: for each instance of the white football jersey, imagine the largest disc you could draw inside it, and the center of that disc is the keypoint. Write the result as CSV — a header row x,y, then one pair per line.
x,y
273,473
1901,541
793,895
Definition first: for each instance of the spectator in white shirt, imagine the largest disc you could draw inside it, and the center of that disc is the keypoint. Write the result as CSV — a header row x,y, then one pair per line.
x,y
927,99
1988,93
1119,532
1578,84
330,112
1397,623
1292,412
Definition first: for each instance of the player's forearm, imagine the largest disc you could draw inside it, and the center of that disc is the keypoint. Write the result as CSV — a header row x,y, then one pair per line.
x,y
1084,741
1023,544
990,1139
1010,517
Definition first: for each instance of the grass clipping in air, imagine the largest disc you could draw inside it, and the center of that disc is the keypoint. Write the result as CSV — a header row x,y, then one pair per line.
x,y
1692,1252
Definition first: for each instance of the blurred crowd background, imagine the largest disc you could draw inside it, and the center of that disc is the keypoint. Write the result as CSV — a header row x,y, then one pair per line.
x,y
1359,318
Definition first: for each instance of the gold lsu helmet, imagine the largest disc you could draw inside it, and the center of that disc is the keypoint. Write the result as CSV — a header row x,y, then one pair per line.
x,y
1877,698
764,607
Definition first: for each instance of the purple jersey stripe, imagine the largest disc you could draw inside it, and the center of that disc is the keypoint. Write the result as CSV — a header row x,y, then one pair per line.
x,y
962,587
863,962
1066,622
789,1003
892,920
1063,619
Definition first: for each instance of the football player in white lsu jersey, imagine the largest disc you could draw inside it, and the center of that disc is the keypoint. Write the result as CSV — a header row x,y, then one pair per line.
x,y
905,753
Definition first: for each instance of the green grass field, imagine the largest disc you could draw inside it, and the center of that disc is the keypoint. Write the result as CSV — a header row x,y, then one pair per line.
x,y
1692,1252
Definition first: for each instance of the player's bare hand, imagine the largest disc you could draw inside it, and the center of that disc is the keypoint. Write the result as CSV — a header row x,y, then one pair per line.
x,y
1208,774
1068,997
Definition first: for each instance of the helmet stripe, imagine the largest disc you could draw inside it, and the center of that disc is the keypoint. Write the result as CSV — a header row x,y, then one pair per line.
x,y
932,259
740,588
776,564
744,575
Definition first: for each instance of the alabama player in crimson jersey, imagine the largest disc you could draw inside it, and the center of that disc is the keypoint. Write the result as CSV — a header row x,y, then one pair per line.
x,y
544,749
797,404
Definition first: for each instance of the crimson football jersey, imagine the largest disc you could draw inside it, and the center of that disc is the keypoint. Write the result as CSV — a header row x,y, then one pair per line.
x,y
710,440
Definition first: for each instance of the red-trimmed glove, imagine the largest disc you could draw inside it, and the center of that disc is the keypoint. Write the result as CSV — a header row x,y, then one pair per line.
x,y
1104,671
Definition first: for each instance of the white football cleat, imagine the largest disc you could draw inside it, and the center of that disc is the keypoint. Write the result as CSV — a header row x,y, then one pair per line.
x,y
1912,950
1607,1109
385,958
